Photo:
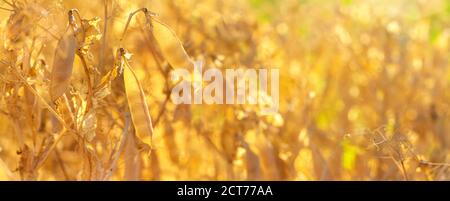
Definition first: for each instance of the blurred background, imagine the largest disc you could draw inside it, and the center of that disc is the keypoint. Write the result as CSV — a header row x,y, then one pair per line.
x,y
364,91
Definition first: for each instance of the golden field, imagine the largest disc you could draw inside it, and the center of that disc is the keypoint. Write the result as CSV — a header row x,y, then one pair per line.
x,y
364,90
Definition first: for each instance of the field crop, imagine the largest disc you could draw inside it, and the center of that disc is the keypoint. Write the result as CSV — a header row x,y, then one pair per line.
x,y
85,90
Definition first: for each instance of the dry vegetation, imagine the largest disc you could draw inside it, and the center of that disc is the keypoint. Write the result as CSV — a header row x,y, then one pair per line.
x,y
364,90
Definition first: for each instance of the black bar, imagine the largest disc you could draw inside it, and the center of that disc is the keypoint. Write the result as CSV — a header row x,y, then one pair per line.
x,y
279,190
